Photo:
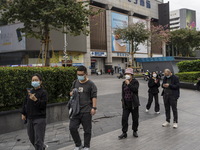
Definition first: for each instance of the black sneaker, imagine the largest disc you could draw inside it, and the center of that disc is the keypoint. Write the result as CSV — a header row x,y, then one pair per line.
x,y
122,136
135,134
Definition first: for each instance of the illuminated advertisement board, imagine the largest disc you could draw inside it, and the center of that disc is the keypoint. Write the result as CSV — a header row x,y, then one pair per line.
x,y
190,19
142,48
119,21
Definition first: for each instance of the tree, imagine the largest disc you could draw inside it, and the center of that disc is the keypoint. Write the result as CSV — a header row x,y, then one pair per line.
x,y
2,5
42,16
135,34
159,35
185,41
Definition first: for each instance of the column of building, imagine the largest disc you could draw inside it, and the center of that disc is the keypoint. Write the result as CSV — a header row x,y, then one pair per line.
x,y
149,51
131,56
108,63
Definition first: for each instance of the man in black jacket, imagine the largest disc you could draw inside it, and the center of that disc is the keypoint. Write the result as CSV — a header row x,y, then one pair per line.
x,y
171,93
130,103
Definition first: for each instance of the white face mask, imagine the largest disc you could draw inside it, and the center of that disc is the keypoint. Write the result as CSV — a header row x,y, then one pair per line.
x,y
154,75
127,77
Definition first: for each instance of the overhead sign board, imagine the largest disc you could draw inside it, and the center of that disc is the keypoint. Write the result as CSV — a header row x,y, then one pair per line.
x,y
11,39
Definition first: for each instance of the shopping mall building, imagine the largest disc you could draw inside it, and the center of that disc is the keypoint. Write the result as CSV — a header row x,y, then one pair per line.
x,y
101,49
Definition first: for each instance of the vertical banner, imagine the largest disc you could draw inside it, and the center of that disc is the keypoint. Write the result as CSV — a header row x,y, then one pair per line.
x,y
142,48
190,19
119,21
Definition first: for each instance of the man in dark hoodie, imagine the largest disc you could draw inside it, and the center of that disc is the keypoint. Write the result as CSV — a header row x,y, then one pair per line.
x,y
171,93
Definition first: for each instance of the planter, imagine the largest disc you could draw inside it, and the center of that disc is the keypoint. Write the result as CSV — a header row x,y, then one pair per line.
x,y
186,85
11,120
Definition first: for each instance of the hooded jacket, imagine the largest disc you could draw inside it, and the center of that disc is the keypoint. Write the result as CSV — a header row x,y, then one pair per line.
x,y
74,104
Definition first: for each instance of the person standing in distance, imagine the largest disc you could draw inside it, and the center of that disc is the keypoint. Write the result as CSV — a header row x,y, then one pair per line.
x,y
34,113
171,93
88,106
153,84
130,103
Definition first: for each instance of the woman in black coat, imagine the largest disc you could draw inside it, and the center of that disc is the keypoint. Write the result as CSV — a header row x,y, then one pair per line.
x,y
34,113
153,84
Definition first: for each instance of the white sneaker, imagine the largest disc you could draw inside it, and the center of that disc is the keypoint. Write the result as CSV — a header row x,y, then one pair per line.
x,y
45,146
85,148
147,110
175,125
77,148
158,113
166,124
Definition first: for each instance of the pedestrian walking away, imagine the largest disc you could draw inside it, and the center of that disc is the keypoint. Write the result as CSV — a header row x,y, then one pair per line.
x,y
34,113
198,84
130,103
153,84
112,71
171,93
87,102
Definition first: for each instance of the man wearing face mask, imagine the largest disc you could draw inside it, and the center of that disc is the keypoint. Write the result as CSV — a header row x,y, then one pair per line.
x,y
171,93
87,97
130,103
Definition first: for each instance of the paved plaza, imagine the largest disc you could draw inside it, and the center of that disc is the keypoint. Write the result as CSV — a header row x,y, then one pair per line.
x,y
107,124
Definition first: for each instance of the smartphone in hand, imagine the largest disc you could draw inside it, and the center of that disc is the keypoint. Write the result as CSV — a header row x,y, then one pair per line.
x,y
29,90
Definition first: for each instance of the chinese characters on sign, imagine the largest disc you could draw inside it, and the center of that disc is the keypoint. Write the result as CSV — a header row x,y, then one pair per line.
x,y
142,2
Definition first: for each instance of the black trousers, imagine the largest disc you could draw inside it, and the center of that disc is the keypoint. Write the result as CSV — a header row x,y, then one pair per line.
x,y
170,102
135,119
198,85
150,100
36,132
86,120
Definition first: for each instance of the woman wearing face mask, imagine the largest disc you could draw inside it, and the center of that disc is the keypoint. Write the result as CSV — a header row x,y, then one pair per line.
x,y
34,112
130,103
153,84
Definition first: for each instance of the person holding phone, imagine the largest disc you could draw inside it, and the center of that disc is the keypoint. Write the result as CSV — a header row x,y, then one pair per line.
x,y
171,93
130,103
34,112
153,84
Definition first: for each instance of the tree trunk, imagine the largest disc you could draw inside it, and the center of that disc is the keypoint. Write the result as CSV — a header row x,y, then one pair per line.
x,y
46,47
132,53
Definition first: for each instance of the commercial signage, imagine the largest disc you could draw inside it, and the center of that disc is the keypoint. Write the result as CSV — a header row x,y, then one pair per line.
x,y
155,59
175,14
144,3
120,54
142,48
190,19
119,21
98,54
11,39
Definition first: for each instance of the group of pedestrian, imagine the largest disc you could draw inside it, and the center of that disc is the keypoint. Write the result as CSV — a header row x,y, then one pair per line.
x,y
130,99
111,71
170,93
83,105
